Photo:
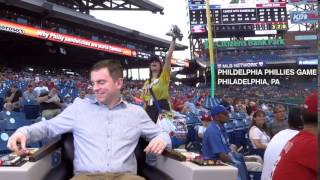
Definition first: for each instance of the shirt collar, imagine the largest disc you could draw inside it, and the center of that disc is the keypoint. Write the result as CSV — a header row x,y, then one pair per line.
x,y
120,103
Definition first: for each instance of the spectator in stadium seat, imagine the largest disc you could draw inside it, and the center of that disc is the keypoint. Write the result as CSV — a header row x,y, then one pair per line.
x,y
50,103
105,130
13,98
90,94
67,101
41,88
225,101
178,103
216,146
215,139
159,79
50,85
280,121
30,94
279,141
242,106
311,102
189,106
248,109
82,94
199,103
251,108
205,121
259,134
299,157
237,104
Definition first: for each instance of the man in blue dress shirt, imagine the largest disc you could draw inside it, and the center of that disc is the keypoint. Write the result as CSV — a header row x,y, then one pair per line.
x,y
106,129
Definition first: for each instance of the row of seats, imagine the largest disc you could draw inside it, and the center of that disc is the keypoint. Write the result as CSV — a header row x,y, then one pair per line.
x,y
11,121
64,89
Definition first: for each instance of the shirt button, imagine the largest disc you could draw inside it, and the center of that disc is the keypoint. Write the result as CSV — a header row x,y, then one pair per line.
x,y
108,164
108,150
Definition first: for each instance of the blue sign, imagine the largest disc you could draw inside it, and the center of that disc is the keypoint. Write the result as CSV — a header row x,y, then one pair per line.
x,y
241,65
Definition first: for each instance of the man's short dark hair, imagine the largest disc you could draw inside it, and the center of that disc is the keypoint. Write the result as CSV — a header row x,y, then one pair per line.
x,y
295,118
114,67
310,118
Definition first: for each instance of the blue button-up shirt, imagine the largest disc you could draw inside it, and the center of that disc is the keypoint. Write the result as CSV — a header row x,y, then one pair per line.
x,y
215,141
104,138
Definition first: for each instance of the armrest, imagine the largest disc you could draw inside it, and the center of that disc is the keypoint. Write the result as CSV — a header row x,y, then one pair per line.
x,y
174,155
45,150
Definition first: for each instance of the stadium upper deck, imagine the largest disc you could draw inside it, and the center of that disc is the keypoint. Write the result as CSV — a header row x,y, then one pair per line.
x,y
62,23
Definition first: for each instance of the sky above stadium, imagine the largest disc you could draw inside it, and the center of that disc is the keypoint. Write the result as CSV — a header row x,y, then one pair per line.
x,y
154,24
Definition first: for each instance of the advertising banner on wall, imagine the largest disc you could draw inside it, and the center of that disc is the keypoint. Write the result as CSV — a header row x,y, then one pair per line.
x,y
180,62
64,38
299,17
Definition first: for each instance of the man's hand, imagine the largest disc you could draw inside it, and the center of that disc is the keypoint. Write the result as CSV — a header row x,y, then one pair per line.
x,y
14,90
16,138
155,146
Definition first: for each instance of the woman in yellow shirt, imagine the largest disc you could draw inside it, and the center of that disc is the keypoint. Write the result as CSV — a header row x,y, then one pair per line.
x,y
159,79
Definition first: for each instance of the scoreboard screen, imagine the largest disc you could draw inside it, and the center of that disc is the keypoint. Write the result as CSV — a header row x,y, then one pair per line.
x,y
239,17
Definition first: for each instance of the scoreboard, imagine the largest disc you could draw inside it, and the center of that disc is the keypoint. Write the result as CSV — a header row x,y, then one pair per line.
x,y
271,15
235,2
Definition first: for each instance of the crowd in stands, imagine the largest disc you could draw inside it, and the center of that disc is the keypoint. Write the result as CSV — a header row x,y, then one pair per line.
x,y
268,92
251,125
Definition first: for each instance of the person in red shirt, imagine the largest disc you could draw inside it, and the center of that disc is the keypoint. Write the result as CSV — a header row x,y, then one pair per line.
x,y
299,158
178,103
311,102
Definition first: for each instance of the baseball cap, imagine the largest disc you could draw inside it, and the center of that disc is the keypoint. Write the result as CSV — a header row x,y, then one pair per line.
x,y
218,109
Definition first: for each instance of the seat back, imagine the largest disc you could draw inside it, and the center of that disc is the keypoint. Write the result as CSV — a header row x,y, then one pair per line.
x,y
67,153
67,149
1,103
4,136
32,111
11,114
253,151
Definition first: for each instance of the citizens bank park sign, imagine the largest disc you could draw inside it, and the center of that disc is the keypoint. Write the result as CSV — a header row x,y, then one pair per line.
x,y
247,43
63,38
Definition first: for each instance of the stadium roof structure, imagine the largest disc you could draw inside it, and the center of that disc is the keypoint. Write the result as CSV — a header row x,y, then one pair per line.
x,y
86,6
52,10
44,52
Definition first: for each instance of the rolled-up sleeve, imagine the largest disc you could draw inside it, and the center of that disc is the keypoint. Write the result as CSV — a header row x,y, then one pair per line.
x,y
150,130
60,124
